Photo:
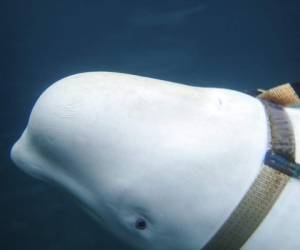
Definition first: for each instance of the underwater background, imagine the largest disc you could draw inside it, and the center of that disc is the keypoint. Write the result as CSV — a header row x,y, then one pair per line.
x,y
241,45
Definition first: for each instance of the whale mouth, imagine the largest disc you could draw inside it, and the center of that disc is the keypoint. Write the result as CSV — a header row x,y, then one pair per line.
x,y
99,219
21,155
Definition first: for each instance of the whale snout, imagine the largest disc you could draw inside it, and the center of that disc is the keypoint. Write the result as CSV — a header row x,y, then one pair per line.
x,y
18,154
25,156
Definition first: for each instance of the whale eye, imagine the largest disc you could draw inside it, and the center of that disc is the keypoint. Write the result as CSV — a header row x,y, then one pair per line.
x,y
140,224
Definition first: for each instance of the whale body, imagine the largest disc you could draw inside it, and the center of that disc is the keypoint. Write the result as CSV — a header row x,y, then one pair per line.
x,y
159,164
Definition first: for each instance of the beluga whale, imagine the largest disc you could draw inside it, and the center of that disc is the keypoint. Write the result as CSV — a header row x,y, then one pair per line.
x,y
167,166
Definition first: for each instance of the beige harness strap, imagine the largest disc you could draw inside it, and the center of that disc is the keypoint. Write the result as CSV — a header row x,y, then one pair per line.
x,y
270,182
283,95
250,212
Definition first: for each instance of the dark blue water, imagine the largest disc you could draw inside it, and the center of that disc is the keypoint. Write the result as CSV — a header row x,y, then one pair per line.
x,y
234,44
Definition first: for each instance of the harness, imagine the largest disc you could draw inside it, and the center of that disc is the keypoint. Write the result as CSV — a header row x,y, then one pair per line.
x,y
278,167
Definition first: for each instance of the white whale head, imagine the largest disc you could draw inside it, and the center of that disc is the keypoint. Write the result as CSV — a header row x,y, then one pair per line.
x,y
149,159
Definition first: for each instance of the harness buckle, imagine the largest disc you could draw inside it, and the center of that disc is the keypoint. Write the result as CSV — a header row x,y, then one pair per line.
x,y
282,164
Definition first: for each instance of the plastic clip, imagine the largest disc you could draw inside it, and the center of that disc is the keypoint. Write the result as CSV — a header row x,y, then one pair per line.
x,y
281,164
